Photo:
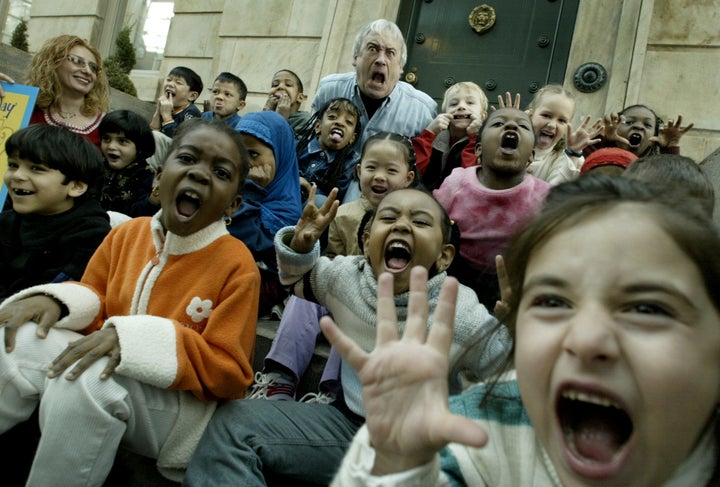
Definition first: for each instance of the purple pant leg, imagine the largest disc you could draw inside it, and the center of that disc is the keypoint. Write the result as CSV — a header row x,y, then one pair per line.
x,y
330,380
294,342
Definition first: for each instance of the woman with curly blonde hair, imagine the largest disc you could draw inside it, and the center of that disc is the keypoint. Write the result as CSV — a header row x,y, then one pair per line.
x,y
74,91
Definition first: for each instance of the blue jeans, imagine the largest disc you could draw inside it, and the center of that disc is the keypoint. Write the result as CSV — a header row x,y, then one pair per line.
x,y
249,436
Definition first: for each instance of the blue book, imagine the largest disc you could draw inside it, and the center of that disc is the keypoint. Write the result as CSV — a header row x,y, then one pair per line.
x,y
15,110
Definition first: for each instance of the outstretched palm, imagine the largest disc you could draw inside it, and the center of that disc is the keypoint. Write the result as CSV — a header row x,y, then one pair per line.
x,y
405,381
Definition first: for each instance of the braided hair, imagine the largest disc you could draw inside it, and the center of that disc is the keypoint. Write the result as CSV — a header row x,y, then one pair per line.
x,y
310,131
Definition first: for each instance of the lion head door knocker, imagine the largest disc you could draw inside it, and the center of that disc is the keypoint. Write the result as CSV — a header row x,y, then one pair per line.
x,y
482,18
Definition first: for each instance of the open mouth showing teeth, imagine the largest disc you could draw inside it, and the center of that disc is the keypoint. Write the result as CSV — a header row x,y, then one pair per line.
x,y
187,203
461,116
397,256
635,139
379,190
22,192
595,427
509,140
337,132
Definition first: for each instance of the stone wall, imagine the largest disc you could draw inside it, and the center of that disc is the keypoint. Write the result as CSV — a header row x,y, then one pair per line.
x,y
310,37
663,53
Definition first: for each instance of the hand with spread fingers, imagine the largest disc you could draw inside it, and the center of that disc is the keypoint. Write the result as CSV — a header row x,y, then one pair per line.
x,y
585,135
508,101
404,380
41,309
612,122
86,351
313,221
671,133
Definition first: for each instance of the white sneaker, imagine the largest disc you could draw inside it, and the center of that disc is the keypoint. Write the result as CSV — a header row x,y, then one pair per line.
x,y
272,386
317,398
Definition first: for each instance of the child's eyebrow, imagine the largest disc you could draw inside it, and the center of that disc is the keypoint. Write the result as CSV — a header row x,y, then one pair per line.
x,y
418,211
655,287
544,280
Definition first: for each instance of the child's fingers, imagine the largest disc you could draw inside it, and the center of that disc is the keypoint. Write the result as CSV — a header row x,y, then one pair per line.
x,y
463,430
311,194
386,313
441,331
111,365
10,333
328,204
416,324
346,347
503,280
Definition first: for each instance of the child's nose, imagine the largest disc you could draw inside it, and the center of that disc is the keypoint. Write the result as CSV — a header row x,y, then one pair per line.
x,y
199,174
401,225
590,336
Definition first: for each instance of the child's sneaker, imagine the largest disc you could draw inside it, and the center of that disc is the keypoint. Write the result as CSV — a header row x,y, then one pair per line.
x,y
272,386
317,398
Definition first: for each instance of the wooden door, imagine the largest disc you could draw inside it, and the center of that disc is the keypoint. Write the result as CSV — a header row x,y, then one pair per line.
x,y
526,46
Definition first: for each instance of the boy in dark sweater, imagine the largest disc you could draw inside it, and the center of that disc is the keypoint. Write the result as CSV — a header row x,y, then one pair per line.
x,y
176,103
56,222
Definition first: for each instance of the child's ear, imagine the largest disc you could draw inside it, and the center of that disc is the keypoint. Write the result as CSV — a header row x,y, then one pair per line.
x,y
234,205
316,128
532,158
410,177
357,170
300,98
447,254
365,239
192,96
77,188
478,152
241,105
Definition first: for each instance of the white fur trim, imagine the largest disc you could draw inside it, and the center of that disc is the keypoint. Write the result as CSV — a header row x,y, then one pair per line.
x,y
82,303
148,350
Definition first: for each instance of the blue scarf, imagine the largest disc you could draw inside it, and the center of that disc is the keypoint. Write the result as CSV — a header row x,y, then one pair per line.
x,y
281,205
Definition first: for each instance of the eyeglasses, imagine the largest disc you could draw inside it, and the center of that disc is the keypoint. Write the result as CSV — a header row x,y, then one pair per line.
x,y
81,63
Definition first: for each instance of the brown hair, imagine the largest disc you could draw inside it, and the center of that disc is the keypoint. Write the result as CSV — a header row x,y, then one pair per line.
x,y
43,73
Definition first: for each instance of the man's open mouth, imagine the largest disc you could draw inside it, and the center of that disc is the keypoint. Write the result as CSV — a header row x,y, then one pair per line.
x,y
378,77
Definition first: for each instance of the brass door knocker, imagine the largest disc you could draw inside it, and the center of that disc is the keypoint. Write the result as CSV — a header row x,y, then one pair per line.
x,y
482,18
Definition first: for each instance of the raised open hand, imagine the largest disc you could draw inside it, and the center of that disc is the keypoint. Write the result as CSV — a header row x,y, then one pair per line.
x,y
405,380
671,133
585,134
508,101
313,221
611,123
